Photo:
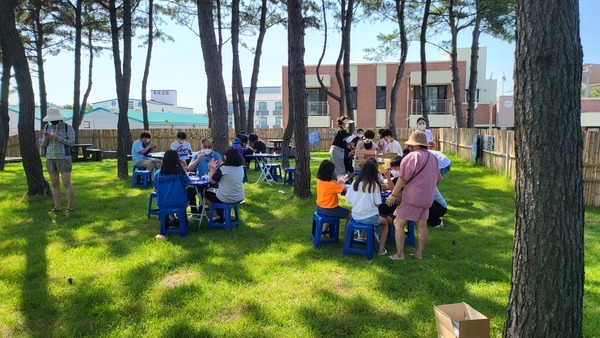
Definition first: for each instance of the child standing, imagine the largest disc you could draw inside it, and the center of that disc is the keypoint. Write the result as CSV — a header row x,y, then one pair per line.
x,y
365,197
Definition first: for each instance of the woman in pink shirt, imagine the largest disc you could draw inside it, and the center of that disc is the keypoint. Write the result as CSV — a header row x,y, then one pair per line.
x,y
419,175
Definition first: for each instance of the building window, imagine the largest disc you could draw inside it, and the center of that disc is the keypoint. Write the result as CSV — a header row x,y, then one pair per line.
x,y
278,122
278,105
476,95
437,102
230,121
263,121
317,102
230,106
353,97
262,106
380,97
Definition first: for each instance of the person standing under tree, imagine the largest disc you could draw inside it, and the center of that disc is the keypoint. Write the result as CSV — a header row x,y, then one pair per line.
x,y
59,137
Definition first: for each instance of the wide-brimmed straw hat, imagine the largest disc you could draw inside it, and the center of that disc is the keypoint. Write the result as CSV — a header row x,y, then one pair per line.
x,y
417,138
53,114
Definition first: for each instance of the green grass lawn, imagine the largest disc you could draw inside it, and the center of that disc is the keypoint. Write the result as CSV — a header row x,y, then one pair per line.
x,y
261,279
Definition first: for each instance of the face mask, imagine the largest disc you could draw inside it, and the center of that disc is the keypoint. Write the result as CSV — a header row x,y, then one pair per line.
x,y
394,173
54,122
361,134
207,151
421,127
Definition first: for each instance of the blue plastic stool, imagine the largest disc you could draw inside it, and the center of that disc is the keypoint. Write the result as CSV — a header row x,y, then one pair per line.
x,y
317,229
180,214
289,174
151,206
275,170
228,222
140,177
349,241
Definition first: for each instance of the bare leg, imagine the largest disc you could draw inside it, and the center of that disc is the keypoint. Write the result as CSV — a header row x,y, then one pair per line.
x,y
399,236
55,181
66,180
423,236
383,235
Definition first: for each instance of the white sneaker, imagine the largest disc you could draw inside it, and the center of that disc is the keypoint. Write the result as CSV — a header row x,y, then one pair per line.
x,y
361,239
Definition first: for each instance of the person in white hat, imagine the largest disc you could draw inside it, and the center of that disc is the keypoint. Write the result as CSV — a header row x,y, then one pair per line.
x,y
59,137
418,177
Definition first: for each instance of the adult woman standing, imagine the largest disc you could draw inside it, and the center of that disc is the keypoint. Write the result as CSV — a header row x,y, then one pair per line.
x,y
339,145
422,126
59,137
418,175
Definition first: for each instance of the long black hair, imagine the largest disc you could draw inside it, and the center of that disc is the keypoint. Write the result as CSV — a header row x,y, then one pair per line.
x,y
369,176
232,157
170,163
326,171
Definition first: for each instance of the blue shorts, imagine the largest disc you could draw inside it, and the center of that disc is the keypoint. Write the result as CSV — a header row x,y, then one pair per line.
x,y
373,220
337,212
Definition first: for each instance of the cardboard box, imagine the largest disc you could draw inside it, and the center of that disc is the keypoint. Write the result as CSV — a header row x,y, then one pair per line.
x,y
460,320
360,156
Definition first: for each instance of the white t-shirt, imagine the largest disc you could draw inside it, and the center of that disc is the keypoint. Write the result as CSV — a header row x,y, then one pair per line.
x,y
184,151
443,160
394,147
364,204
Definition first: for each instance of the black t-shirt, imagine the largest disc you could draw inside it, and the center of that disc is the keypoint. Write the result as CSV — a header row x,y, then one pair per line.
x,y
339,138
260,147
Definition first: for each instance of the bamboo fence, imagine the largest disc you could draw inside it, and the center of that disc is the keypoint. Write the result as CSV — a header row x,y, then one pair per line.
x,y
500,158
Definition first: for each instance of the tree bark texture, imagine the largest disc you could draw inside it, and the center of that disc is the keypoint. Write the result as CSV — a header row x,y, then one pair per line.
x,y
4,119
12,45
546,296
214,74
297,82
473,68
423,44
262,31
147,65
456,89
400,4
40,36
346,28
123,81
76,121
237,89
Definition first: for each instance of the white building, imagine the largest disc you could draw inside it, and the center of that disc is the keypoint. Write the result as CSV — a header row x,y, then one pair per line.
x,y
160,101
268,107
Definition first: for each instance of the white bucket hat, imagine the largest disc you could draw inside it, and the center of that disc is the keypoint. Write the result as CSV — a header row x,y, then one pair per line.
x,y
53,114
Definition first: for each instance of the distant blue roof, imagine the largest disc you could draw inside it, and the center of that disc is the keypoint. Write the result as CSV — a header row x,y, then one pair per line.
x,y
153,117
264,90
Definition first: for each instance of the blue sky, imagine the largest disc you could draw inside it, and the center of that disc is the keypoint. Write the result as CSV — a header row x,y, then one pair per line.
x,y
178,65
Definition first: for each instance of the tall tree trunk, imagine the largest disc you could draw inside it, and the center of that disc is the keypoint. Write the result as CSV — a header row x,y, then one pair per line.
x,y
122,80
4,119
400,4
423,44
39,53
456,89
88,89
346,28
546,296
147,65
76,121
297,76
11,44
262,30
338,98
237,83
473,69
214,74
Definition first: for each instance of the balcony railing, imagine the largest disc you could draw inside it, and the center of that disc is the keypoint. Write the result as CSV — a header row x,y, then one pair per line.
x,y
317,108
443,106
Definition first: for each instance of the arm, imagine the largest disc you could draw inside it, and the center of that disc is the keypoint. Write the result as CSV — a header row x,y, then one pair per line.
x,y
395,195
194,162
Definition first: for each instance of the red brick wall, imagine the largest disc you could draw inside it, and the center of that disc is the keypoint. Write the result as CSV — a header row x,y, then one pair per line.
x,y
590,105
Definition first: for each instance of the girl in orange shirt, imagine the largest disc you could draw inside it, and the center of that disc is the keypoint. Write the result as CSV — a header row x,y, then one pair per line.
x,y
328,189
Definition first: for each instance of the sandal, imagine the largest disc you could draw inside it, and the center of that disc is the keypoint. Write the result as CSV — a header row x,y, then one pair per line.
x,y
67,210
55,210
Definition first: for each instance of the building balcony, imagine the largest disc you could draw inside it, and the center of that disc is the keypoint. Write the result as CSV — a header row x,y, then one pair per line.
x,y
436,107
317,108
